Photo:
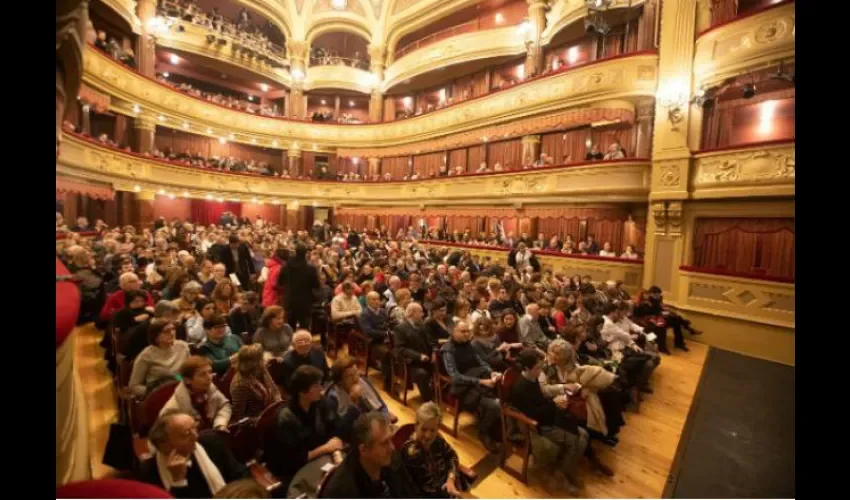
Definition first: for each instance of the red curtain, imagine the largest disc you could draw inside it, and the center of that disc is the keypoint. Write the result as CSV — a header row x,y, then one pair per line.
x,y
476,156
508,153
428,164
604,137
397,166
457,158
565,146
208,212
739,122
606,230
180,142
550,226
746,245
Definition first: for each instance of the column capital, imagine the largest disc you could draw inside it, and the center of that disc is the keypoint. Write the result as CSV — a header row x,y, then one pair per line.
x,y
377,53
530,139
293,152
144,121
297,49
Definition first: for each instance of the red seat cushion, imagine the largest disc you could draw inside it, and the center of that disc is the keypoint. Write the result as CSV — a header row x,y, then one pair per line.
x,y
110,488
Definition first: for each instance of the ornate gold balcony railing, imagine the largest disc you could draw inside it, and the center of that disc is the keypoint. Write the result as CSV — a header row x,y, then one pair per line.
x,y
762,169
612,181
339,77
745,45
624,77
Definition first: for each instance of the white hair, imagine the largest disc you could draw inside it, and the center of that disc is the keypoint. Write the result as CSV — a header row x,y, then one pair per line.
x,y
428,412
412,307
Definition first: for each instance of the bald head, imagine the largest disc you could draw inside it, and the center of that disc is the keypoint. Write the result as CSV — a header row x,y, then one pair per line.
x,y
533,310
129,281
302,341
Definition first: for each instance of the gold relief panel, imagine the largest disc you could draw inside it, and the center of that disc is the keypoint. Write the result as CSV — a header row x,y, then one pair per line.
x,y
545,95
338,77
758,170
620,181
669,179
761,301
741,46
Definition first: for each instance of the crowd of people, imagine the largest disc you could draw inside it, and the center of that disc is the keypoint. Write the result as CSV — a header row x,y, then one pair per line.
x,y
194,303
222,163
227,101
124,55
320,56
328,117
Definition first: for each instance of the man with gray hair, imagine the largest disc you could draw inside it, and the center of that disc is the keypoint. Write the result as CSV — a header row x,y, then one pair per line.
x,y
414,346
371,469
530,333
115,302
389,293
185,464
374,324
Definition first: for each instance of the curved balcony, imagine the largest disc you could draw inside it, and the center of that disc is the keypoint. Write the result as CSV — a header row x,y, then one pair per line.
x,y
607,181
194,40
624,77
339,77
565,12
127,10
456,49
745,44
762,169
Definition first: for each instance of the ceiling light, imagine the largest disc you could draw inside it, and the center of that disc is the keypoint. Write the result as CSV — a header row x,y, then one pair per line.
x,y
185,194
524,27
136,108
220,200
499,18
186,125
297,74
209,130
171,196
166,74
137,188
209,196
315,147
253,140
161,118
251,98
275,202
222,140
572,55
339,4
232,136
264,87
161,191
274,143
351,103
174,59
484,138
324,102
254,200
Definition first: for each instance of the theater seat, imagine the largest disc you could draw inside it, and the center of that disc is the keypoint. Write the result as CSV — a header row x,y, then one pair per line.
x,y
110,488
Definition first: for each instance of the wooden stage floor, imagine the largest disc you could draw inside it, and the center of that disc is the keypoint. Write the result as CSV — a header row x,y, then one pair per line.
x,y
641,461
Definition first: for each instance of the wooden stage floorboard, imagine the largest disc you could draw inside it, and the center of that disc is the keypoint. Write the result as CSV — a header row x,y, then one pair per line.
x,y
641,461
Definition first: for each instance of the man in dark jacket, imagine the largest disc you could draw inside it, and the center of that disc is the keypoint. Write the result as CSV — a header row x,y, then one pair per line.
x,y
372,468
238,261
303,353
300,281
353,240
414,346
373,323
185,463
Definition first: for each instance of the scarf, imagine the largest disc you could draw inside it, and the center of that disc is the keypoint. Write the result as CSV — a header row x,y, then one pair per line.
x,y
215,481
198,402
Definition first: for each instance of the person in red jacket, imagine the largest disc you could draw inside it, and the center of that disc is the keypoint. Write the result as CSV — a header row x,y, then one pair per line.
x,y
271,293
115,301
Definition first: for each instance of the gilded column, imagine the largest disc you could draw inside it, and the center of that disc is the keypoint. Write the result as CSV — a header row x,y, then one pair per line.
x,y
297,50
297,109
530,149
294,156
534,54
374,166
146,42
337,102
144,208
671,153
377,54
644,113
144,128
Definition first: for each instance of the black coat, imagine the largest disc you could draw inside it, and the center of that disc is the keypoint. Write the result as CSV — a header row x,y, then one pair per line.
x,y
532,260
246,263
349,480
299,281
219,454
412,341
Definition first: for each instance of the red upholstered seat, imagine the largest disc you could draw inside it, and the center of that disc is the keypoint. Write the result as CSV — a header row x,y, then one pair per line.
x,y
110,488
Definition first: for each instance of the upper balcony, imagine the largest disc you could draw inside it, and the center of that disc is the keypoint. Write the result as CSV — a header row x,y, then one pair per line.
x,y
604,181
342,76
745,43
631,76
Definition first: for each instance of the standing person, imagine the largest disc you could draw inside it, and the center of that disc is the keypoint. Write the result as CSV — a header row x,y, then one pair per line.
x,y
272,293
299,281
237,260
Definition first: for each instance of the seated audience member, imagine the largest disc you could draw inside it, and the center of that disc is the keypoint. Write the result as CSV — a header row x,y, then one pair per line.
x,y
501,303
252,388
371,469
437,325
473,381
607,251
594,154
557,435
204,310
243,488
219,275
345,308
244,315
374,324
592,245
530,333
414,346
481,308
115,302
561,314
508,329
274,334
159,361
136,339
489,346
615,152
303,352
224,296
545,320
135,312
636,364
220,346
562,374
185,464
198,396
186,302
352,395
305,434
629,253
431,461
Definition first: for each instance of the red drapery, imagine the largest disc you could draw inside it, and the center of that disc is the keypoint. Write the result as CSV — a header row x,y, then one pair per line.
x,y
457,158
207,212
505,152
428,164
740,121
605,136
567,146
397,166
180,142
763,246
476,156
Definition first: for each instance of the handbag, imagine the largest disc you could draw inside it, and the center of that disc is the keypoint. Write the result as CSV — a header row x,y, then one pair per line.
x,y
119,453
577,407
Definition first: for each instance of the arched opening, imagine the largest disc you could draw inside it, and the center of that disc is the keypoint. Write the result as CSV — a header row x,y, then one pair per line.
x,y
340,49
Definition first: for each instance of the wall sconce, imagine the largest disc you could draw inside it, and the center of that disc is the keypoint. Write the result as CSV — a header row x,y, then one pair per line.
x,y
673,95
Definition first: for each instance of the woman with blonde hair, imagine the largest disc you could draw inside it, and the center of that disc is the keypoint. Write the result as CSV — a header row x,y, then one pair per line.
x,y
224,295
430,460
562,374
252,388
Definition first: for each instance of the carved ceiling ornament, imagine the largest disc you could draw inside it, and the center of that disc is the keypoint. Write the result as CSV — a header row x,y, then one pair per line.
x,y
674,217
669,175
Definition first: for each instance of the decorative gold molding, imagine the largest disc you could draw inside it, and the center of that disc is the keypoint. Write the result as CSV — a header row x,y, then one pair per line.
x,y
619,78
659,215
194,41
745,45
759,301
339,77
626,181
760,170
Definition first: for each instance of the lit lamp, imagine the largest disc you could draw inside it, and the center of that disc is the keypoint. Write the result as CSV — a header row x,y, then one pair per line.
x,y
673,95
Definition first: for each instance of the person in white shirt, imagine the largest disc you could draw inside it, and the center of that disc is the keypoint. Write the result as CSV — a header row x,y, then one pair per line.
x,y
530,333
389,294
523,256
607,251
345,307
482,168
481,308
629,253
619,334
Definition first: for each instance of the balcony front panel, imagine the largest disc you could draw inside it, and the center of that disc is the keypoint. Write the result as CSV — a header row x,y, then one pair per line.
x,y
631,76
600,269
562,13
127,10
339,76
194,41
769,302
745,45
745,171
455,50
613,181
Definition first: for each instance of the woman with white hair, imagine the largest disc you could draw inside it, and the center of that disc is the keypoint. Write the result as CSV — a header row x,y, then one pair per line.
x,y
431,461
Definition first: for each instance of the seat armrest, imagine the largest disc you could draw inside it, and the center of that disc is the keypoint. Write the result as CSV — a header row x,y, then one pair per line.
x,y
263,476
